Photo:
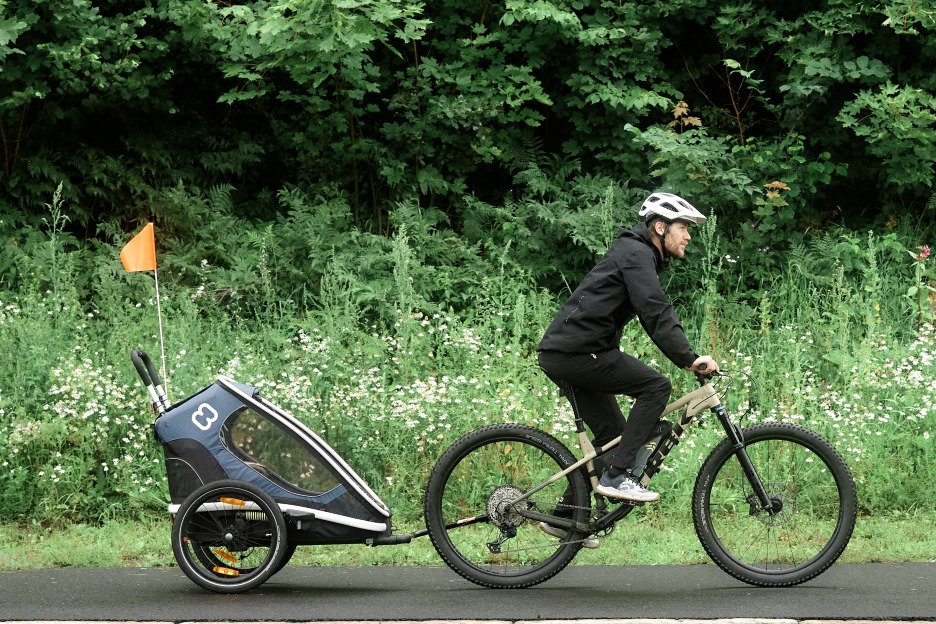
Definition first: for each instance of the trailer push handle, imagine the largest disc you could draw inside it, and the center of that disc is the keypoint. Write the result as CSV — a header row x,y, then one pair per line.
x,y
150,377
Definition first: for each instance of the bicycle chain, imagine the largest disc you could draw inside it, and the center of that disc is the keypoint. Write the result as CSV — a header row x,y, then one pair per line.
x,y
598,536
516,550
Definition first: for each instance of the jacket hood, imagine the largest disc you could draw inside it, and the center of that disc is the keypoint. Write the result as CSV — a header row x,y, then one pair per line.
x,y
640,232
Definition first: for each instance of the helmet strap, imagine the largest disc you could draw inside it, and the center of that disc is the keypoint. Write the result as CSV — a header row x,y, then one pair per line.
x,y
661,237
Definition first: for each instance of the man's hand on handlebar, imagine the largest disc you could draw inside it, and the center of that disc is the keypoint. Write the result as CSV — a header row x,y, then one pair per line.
x,y
704,365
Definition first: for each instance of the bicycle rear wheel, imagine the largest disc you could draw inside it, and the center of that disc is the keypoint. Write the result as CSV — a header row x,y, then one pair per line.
x,y
813,495
474,525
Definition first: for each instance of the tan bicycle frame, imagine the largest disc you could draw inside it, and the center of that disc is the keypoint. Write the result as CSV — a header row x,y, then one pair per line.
x,y
700,399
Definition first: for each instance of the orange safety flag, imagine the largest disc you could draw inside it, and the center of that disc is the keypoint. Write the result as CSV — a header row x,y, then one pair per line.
x,y
140,253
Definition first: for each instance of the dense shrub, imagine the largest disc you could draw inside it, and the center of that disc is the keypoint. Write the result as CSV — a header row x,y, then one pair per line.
x,y
781,119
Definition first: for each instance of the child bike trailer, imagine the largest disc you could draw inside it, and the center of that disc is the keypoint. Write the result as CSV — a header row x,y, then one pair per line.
x,y
248,482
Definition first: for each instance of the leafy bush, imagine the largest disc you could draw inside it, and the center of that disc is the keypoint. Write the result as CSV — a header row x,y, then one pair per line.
x,y
389,102
898,125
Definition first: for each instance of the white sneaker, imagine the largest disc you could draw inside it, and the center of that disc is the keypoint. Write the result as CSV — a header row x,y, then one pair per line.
x,y
625,487
562,534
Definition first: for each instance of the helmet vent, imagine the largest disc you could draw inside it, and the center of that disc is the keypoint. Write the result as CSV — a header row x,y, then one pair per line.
x,y
670,207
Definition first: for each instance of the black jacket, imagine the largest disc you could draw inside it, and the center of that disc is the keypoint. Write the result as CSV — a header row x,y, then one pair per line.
x,y
622,285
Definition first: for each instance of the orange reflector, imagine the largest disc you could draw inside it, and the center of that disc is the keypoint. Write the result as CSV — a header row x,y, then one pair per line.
x,y
225,571
223,554
233,501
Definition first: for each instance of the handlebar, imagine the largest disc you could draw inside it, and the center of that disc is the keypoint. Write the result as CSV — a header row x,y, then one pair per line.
x,y
704,378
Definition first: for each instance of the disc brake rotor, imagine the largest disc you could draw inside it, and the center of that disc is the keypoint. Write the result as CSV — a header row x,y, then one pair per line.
x,y
783,501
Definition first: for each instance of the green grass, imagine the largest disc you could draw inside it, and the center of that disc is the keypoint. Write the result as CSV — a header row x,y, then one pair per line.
x,y
653,539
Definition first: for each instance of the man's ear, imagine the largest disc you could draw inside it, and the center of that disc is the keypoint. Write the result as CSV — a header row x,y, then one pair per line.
x,y
659,227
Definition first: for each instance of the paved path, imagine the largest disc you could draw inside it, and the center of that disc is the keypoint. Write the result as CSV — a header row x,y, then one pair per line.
x,y
845,592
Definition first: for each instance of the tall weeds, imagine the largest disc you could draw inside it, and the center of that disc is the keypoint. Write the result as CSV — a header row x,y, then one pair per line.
x,y
391,348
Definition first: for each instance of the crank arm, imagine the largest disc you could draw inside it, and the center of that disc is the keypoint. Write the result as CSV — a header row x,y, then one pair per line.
x,y
608,519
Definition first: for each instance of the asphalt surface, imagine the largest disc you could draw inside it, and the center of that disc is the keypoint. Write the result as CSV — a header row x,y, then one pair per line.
x,y
846,591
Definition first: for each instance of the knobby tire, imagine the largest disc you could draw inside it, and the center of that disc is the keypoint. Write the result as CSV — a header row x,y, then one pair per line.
x,y
810,486
229,536
484,471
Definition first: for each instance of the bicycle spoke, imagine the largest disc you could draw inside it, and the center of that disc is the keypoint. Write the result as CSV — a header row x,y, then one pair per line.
x,y
228,543
486,481
806,502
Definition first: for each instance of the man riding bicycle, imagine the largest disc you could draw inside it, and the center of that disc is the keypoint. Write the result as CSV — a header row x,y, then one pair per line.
x,y
581,350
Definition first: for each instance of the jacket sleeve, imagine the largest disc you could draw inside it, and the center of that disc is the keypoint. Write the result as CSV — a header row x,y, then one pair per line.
x,y
655,311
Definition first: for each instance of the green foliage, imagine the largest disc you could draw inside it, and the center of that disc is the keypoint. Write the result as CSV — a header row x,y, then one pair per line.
x,y
392,347
554,229
909,17
68,63
383,102
412,186
898,125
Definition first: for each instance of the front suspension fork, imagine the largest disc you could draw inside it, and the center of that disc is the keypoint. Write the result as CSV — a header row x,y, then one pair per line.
x,y
736,436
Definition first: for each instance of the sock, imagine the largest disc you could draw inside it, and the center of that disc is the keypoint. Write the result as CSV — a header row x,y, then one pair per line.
x,y
614,471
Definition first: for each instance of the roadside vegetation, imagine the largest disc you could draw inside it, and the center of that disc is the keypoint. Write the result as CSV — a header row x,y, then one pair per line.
x,y
371,209
834,343
644,539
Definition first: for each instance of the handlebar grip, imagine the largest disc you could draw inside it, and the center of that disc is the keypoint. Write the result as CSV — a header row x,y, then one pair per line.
x,y
147,372
703,367
702,377
152,371
145,368
137,356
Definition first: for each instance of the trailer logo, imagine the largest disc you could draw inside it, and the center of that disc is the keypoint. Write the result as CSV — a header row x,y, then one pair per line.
x,y
199,418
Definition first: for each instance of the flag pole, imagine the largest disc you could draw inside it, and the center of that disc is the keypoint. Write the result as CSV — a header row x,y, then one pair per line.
x,y
162,344
140,255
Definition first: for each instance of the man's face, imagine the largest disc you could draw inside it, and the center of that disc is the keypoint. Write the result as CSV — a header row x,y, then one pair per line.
x,y
676,239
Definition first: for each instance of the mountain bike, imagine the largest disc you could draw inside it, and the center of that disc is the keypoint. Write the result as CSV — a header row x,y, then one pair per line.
x,y
773,505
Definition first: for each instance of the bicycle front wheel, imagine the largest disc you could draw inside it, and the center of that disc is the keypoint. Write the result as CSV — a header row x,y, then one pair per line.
x,y
472,515
813,506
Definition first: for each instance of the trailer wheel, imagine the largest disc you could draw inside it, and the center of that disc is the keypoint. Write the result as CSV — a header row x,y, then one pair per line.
x,y
229,536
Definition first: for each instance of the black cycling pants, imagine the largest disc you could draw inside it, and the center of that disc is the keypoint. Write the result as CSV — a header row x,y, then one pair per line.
x,y
592,381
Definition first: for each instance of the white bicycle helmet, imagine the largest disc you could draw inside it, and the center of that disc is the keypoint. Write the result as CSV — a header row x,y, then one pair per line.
x,y
671,208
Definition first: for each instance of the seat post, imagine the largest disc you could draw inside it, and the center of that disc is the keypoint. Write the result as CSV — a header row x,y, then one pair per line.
x,y
566,391
584,443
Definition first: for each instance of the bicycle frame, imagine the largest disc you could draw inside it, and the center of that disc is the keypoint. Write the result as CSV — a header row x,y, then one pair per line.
x,y
691,404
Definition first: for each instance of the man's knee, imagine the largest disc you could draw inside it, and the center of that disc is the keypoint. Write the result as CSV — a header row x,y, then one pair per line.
x,y
659,389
